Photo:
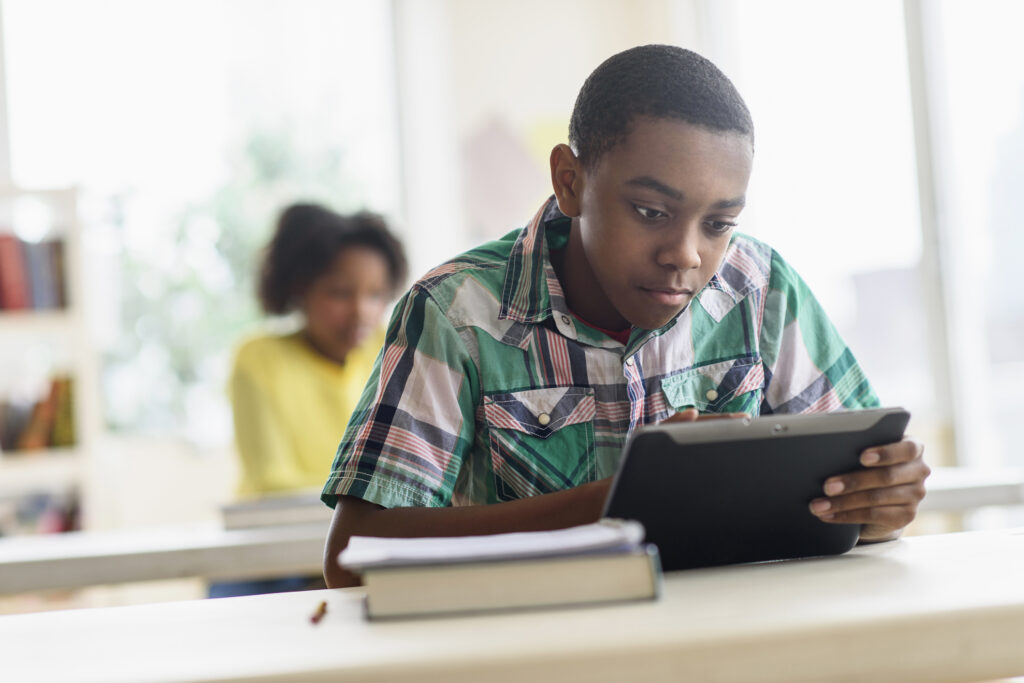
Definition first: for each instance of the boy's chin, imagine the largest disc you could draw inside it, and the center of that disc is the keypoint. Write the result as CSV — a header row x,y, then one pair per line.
x,y
654,321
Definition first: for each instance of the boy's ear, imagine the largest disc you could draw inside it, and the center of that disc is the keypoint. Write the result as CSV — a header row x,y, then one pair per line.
x,y
566,179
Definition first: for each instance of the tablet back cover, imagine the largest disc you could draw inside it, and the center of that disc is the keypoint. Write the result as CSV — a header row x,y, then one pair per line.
x,y
742,500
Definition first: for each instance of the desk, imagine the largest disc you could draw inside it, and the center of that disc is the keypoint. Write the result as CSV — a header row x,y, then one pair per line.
x,y
967,488
81,559
87,559
936,608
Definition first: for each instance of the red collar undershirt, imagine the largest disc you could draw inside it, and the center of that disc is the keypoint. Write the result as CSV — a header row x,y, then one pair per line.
x,y
621,336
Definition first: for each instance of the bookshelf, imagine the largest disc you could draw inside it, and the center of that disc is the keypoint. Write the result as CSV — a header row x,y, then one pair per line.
x,y
48,367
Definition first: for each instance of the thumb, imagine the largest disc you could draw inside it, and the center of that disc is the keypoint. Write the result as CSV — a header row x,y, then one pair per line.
x,y
688,415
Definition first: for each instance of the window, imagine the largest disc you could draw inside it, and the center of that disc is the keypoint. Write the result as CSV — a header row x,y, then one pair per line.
x,y
834,188
187,125
978,97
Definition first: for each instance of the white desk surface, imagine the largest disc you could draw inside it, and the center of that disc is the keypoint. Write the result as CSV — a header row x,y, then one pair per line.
x,y
96,558
928,608
81,559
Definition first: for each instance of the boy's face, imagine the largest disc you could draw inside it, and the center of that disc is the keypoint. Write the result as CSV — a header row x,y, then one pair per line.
x,y
653,220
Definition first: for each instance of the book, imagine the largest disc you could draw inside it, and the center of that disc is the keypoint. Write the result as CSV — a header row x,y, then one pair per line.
x,y
36,435
62,434
14,286
16,416
602,562
42,274
276,510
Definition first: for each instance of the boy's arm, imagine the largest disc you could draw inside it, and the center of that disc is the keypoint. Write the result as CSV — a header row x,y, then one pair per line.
x,y
580,505
356,517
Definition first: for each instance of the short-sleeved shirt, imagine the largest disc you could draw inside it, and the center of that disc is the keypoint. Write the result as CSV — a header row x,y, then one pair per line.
x,y
290,406
488,389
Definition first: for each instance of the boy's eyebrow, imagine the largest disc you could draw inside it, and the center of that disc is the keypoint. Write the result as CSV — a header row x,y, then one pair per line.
x,y
740,201
658,186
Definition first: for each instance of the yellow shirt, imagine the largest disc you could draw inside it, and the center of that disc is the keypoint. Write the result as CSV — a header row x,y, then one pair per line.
x,y
291,406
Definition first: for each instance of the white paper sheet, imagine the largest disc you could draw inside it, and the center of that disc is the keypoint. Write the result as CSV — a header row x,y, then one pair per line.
x,y
606,535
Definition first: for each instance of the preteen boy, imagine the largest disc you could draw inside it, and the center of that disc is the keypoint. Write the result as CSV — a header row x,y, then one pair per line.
x,y
512,374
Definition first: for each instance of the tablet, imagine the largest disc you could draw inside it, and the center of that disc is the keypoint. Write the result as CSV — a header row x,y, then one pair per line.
x,y
737,490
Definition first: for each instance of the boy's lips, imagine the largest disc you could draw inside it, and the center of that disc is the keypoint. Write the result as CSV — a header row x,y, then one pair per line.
x,y
670,296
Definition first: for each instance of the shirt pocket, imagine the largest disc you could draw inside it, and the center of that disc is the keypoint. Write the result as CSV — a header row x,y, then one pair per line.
x,y
730,386
541,440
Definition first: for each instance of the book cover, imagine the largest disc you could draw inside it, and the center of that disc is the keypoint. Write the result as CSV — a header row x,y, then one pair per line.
x,y
58,266
36,434
62,434
14,287
41,275
590,564
16,415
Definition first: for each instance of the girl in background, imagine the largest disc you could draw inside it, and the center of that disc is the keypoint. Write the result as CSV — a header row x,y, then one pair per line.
x,y
292,394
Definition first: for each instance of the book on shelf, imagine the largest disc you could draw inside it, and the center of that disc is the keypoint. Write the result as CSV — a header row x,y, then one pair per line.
x,y
48,422
302,507
40,513
31,274
606,561
14,286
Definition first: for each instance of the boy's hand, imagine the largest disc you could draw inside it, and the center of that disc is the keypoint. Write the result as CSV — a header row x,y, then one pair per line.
x,y
693,415
884,497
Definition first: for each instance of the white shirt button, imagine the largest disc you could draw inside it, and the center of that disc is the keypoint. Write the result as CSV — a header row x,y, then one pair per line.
x,y
565,319
712,394
544,419
629,361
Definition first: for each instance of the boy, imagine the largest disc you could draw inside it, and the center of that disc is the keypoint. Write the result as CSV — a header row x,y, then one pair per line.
x,y
512,374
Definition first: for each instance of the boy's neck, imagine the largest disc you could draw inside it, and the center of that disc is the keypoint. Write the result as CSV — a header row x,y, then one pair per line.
x,y
583,293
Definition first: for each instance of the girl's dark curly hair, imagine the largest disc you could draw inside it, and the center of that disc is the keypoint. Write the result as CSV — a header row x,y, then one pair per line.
x,y
307,240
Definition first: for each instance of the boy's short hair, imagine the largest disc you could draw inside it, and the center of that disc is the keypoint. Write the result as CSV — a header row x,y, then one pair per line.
x,y
662,81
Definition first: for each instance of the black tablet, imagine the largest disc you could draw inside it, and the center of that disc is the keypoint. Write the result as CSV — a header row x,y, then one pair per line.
x,y
737,490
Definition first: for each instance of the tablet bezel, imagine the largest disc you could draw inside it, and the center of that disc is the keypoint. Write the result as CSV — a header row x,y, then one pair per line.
x,y
746,498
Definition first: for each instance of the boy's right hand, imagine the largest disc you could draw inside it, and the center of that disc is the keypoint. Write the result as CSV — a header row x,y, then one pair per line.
x,y
693,415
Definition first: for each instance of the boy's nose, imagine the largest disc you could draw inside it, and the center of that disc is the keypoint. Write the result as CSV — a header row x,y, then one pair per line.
x,y
682,252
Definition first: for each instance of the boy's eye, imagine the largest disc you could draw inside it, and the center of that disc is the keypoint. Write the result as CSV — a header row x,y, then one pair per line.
x,y
648,213
720,227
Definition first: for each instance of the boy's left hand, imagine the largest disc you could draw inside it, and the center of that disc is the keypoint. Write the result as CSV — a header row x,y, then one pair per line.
x,y
884,497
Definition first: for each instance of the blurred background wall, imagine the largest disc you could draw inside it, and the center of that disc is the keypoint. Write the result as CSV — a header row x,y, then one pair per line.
x,y
887,170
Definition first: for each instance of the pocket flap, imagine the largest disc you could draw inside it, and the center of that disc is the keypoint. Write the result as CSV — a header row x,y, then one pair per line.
x,y
540,412
709,387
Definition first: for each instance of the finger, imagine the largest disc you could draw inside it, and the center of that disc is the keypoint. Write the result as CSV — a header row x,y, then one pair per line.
x,y
903,451
722,416
686,415
913,472
880,520
910,494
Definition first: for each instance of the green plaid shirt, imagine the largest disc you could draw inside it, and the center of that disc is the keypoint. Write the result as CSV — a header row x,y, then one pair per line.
x,y
488,389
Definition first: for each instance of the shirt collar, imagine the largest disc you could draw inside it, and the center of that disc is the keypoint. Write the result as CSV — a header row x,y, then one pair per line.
x,y
531,288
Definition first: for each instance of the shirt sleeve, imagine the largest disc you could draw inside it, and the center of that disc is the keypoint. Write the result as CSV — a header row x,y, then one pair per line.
x,y
411,432
808,366
264,448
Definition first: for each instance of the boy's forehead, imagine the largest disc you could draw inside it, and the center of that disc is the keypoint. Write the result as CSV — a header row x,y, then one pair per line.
x,y
661,137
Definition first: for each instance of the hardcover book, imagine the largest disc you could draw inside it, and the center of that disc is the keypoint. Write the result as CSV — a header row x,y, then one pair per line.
x,y
606,561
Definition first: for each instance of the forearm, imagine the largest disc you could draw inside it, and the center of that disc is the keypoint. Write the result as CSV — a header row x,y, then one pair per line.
x,y
355,517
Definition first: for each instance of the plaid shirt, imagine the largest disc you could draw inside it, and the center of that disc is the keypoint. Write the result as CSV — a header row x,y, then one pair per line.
x,y
488,389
